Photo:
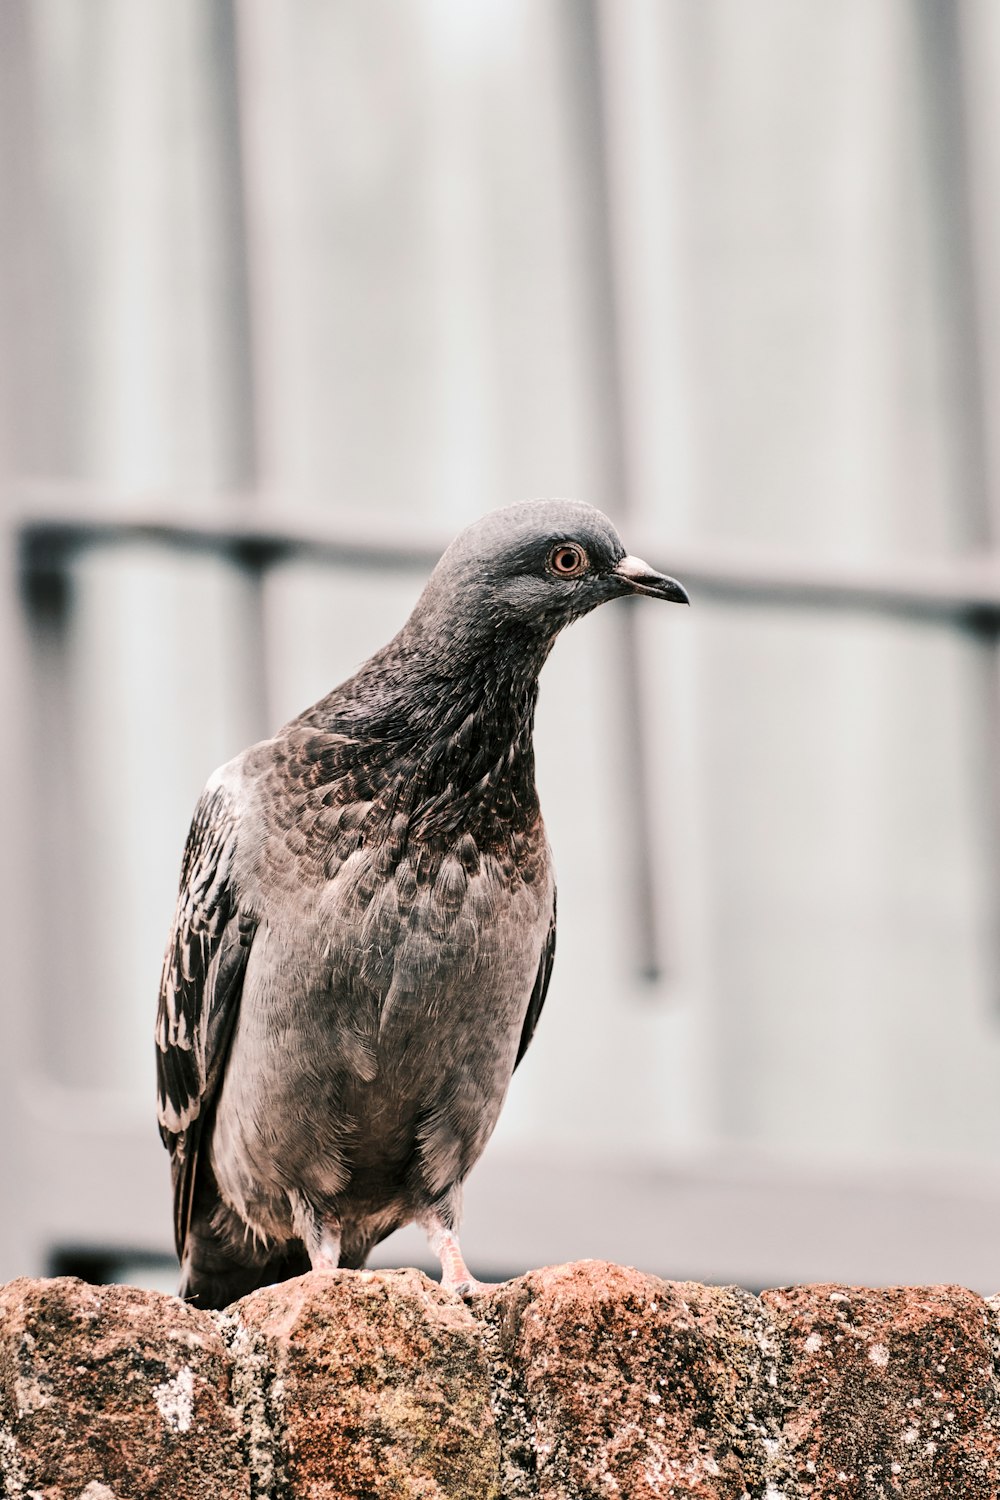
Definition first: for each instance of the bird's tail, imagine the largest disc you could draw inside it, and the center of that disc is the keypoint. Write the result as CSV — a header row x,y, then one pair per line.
x,y
214,1273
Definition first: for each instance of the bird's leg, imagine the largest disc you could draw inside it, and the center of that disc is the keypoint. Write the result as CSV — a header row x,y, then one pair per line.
x,y
455,1274
320,1236
325,1254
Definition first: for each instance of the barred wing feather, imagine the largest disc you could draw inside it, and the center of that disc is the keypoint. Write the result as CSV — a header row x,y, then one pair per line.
x,y
200,993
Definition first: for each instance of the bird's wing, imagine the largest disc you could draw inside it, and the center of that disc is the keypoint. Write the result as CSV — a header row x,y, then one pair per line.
x,y
541,986
199,992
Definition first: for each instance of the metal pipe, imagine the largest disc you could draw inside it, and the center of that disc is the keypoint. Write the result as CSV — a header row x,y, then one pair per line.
x,y
964,589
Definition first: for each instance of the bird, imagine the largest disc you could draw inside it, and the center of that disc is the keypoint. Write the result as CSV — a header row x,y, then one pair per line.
x,y
366,922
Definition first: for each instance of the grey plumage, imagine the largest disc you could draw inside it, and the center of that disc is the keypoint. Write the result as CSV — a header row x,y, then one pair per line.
x,y
366,925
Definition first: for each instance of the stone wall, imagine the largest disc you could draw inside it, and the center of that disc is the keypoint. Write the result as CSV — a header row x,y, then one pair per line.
x,y
583,1380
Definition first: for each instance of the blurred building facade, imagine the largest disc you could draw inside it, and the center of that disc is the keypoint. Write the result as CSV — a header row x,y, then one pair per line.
x,y
288,294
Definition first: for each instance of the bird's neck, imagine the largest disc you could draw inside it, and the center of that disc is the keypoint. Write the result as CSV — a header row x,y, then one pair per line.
x,y
454,731
474,764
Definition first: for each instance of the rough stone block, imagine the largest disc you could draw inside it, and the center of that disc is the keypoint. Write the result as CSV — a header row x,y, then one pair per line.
x,y
380,1387
887,1393
114,1394
621,1384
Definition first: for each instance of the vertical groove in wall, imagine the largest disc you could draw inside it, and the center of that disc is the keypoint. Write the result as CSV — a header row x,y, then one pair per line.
x,y
498,1321
257,1403
584,47
944,36
13,1480
761,1443
242,367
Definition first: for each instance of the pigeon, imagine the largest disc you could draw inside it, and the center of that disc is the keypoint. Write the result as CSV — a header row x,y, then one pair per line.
x,y
366,925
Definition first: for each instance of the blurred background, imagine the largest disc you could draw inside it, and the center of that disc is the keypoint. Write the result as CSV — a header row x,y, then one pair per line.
x,y
288,293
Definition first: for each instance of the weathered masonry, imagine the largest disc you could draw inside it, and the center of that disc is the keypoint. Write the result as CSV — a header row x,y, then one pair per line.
x,y
577,1381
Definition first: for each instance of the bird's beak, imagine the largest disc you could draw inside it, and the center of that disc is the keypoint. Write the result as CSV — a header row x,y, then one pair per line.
x,y
642,579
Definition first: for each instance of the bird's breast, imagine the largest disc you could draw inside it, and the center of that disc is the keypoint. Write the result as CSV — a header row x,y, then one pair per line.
x,y
449,963
382,1010
442,933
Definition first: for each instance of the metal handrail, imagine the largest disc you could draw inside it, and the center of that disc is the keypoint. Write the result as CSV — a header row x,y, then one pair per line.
x,y
963,589
54,524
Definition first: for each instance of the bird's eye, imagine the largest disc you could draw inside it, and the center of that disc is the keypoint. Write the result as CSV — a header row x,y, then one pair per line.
x,y
567,560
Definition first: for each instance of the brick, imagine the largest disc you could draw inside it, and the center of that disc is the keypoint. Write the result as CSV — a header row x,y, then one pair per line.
x,y
625,1385
113,1393
380,1387
887,1393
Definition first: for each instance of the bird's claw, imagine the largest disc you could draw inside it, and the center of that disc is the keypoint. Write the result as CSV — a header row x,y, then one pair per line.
x,y
469,1288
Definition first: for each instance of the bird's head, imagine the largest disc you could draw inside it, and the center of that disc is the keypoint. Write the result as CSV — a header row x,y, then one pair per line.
x,y
531,569
480,632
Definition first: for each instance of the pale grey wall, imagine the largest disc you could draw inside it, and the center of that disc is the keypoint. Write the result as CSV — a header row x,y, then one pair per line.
x,y
726,271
